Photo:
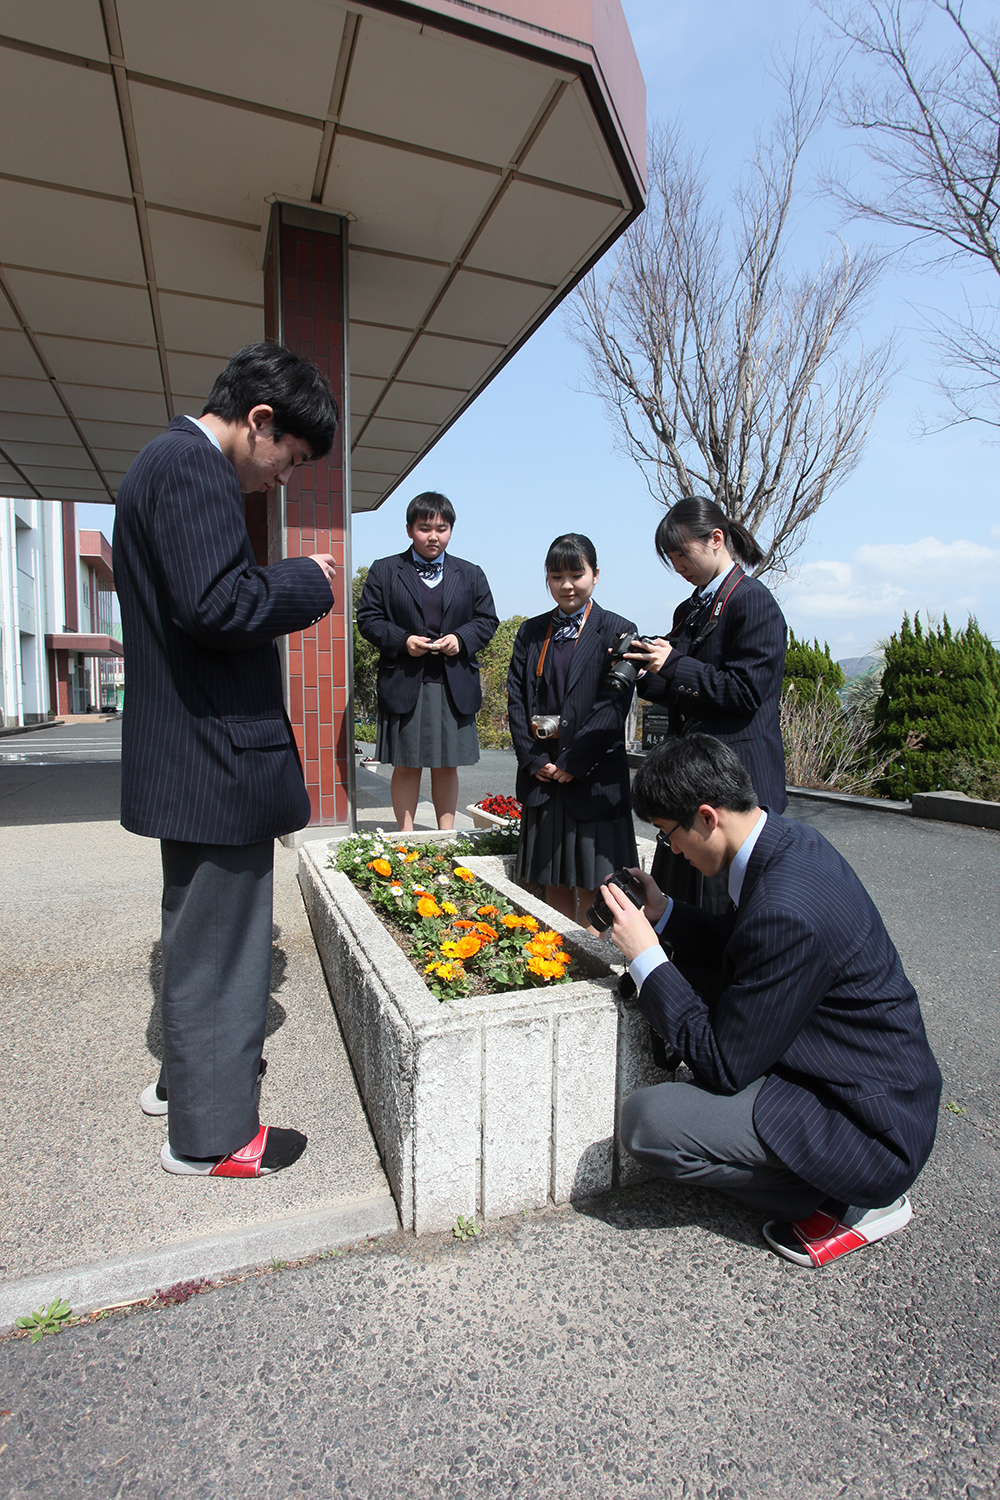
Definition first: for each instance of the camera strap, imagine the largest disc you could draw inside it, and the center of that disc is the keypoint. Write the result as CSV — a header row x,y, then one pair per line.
x,y
722,595
545,646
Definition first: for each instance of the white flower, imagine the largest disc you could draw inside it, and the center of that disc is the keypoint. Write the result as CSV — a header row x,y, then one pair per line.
x,y
442,879
397,890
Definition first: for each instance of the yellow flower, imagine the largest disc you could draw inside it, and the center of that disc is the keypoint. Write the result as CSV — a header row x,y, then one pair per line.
x,y
413,854
380,866
463,873
450,949
428,907
448,908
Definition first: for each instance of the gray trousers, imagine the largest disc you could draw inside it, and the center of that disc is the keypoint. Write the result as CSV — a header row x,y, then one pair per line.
x,y
708,1140
216,927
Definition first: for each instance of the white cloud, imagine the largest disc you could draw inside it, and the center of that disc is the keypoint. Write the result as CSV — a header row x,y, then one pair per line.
x,y
844,601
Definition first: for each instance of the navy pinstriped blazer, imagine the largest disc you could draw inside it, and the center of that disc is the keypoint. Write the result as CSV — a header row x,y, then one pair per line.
x,y
813,996
391,608
208,754
592,734
730,685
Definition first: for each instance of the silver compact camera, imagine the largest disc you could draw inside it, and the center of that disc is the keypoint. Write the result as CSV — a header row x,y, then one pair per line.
x,y
546,726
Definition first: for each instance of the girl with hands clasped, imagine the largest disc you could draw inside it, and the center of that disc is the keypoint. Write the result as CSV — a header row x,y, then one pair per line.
x,y
568,730
428,613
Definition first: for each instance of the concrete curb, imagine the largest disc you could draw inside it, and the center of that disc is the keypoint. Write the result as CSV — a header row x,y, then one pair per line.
x,y
851,799
12,729
105,1282
956,807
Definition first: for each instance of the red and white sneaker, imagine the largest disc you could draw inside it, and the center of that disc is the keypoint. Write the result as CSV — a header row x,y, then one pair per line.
x,y
270,1150
822,1237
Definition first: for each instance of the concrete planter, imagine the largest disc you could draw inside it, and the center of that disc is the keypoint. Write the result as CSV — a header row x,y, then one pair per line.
x,y
489,1104
482,819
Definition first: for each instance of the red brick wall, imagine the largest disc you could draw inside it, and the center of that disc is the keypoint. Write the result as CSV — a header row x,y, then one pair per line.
x,y
304,283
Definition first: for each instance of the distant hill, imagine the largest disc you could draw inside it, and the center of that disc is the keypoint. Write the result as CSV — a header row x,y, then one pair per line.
x,y
855,666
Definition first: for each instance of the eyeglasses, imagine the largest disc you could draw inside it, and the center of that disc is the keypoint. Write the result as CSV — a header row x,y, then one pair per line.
x,y
664,838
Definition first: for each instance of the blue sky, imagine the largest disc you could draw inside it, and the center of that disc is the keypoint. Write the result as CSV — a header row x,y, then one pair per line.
x,y
917,526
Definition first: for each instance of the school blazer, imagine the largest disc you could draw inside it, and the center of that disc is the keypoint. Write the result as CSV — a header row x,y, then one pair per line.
x,y
208,754
729,686
592,730
812,996
391,608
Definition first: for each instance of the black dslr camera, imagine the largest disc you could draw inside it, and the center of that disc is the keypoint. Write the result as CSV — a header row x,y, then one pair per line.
x,y
599,915
621,673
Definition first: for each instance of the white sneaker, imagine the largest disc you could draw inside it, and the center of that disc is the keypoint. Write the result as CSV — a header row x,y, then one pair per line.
x,y
153,1099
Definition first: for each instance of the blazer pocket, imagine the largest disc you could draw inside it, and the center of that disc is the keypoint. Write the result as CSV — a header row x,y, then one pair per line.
x,y
257,734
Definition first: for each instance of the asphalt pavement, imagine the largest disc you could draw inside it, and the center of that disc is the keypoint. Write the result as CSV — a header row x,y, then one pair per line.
x,y
645,1344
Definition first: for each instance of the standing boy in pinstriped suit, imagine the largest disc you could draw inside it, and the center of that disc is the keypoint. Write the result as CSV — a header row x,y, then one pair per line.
x,y
816,1094
209,762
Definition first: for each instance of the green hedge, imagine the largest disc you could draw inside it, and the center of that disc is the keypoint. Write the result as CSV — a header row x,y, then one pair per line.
x,y
806,666
939,705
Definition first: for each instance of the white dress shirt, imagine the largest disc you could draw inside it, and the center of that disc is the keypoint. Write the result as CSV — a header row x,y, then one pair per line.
x,y
202,428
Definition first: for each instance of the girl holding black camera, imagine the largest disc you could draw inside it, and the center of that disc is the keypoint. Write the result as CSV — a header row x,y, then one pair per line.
x,y
720,669
568,729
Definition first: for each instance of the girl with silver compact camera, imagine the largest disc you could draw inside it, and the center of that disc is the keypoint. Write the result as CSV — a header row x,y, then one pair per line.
x,y
568,729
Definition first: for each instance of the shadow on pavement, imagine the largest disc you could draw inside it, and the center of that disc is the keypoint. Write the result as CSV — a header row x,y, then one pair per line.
x,y
663,1205
34,795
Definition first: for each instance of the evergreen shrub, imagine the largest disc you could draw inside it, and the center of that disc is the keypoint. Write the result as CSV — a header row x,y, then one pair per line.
x,y
494,661
806,666
939,705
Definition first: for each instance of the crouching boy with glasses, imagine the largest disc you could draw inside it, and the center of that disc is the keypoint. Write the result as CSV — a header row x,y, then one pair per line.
x,y
815,1092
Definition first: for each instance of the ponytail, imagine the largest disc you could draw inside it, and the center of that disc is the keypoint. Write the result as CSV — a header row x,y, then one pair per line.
x,y
695,519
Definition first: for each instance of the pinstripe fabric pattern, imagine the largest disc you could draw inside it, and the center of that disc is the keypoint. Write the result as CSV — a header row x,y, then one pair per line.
x,y
731,686
592,735
814,996
391,608
208,754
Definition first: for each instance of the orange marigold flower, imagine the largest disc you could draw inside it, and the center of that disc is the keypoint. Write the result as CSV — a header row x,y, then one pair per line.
x,y
552,938
463,873
464,923
428,907
380,866
487,932
511,922
467,946
529,924
545,968
539,949
487,911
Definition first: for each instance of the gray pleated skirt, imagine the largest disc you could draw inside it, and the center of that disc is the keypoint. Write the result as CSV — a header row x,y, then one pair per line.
x,y
431,734
557,849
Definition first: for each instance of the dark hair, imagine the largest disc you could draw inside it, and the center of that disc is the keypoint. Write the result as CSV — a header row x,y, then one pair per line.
x,y
695,520
680,774
297,392
571,551
428,505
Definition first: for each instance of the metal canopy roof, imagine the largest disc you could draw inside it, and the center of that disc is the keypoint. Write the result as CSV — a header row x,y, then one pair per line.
x,y
485,158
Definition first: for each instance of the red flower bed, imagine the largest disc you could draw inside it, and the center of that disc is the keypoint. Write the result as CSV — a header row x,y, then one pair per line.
x,y
501,807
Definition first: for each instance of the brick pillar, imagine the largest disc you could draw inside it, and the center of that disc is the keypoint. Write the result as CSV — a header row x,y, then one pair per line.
x,y
304,309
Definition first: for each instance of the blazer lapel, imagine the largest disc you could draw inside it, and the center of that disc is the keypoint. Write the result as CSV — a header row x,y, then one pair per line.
x,y
449,583
588,642
407,575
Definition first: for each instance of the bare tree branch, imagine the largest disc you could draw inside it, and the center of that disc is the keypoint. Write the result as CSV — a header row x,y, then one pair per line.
x,y
931,127
725,372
